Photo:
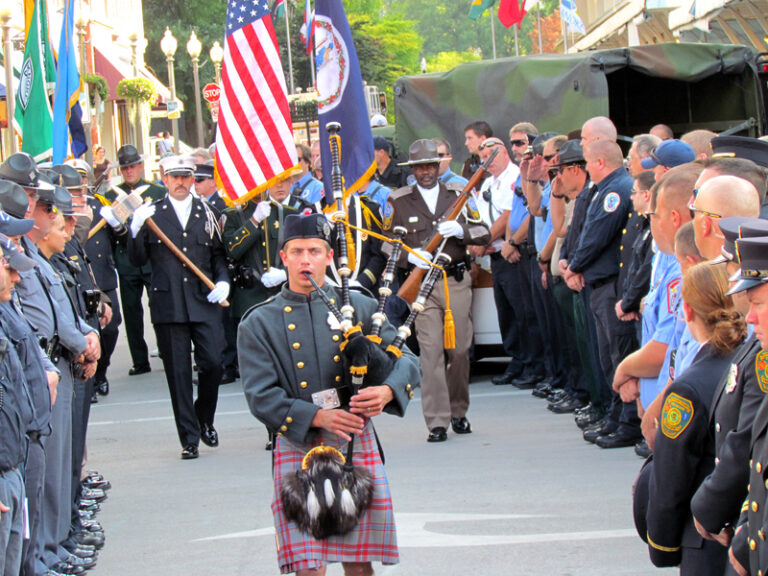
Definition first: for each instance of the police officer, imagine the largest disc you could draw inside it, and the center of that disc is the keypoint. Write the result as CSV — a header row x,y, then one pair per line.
x,y
205,187
133,279
418,208
594,265
738,397
307,192
388,173
748,548
183,310
17,417
291,362
444,153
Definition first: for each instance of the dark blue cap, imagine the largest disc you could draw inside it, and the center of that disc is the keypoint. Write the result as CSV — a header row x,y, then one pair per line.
x,y
306,226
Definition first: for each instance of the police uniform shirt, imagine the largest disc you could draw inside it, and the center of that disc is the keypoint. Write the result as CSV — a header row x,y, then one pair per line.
x,y
309,189
451,176
378,193
635,274
659,316
597,254
501,194
543,223
519,211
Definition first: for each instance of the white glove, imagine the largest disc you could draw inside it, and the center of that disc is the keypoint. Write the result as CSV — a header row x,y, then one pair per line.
x,y
219,293
273,277
418,262
262,211
449,229
108,215
140,215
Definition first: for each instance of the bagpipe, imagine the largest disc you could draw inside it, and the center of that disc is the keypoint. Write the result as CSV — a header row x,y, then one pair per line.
x,y
329,494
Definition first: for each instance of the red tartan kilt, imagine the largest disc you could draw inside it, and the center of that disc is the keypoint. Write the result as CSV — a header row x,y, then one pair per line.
x,y
374,538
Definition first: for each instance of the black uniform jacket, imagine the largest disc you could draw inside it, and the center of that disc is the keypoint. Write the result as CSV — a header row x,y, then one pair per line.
x,y
683,456
176,294
718,500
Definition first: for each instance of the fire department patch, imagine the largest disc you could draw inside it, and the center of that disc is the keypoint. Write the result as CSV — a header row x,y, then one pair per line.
x,y
761,369
676,414
673,294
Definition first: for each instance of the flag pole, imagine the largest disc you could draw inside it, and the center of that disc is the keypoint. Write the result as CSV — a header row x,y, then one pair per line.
x,y
493,35
517,47
564,33
538,25
288,44
312,61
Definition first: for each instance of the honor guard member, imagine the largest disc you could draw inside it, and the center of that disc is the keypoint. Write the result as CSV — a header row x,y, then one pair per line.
x,y
71,343
133,279
683,454
388,173
39,372
594,264
291,363
183,309
100,256
445,382
205,187
307,192
738,397
749,552
17,417
252,235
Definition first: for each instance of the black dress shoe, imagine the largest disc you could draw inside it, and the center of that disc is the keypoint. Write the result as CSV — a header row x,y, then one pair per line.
x,y
527,382
505,378
461,425
437,434
567,405
602,428
189,452
587,419
95,539
618,439
136,370
269,446
102,386
230,375
64,568
642,449
208,435
94,398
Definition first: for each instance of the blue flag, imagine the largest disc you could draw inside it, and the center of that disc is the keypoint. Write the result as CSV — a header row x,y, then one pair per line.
x,y
341,98
67,116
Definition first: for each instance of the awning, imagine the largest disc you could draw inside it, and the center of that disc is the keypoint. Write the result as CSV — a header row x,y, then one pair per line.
x,y
114,69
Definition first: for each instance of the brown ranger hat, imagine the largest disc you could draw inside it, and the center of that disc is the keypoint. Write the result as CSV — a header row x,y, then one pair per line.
x,y
422,151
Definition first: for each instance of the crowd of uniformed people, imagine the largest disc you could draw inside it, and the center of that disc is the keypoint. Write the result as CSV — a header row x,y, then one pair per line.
x,y
630,292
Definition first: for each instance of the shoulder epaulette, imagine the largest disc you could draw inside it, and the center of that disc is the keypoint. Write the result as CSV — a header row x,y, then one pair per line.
x,y
454,186
400,192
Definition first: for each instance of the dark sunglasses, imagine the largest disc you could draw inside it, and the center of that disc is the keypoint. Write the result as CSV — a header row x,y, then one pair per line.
x,y
441,154
518,142
199,179
549,157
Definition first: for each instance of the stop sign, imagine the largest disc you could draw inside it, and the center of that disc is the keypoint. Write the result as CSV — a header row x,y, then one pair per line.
x,y
211,92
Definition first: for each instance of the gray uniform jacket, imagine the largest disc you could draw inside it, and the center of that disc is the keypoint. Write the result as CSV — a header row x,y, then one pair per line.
x,y
288,350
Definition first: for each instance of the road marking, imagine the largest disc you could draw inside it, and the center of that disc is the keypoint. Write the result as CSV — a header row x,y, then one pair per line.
x,y
97,407
413,532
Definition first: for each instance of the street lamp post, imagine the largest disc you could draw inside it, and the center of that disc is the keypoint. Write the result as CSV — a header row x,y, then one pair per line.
x,y
217,55
168,45
194,47
5,18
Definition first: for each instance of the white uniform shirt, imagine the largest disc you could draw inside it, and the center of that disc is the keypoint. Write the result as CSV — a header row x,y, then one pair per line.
x,y
501,193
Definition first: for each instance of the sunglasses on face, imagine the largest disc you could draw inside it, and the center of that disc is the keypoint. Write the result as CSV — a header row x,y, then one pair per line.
x,y
441,154
549,157
489,144
199,179
518,142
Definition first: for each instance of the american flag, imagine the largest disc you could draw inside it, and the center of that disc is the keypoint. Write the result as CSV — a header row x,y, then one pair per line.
x,y
254,144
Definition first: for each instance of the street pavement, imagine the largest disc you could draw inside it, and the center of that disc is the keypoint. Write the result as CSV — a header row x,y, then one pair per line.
x,y
522,495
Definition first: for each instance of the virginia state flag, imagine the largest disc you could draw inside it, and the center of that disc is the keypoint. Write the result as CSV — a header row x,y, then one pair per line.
x,y
33,108
341,98
66,106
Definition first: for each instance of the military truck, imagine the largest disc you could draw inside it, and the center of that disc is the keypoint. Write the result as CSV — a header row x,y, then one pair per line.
x,y
686,86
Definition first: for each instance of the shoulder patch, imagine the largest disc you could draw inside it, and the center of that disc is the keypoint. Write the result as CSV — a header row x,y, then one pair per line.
x,y
611,202
454,186
673,294
761,370
387,214
676,414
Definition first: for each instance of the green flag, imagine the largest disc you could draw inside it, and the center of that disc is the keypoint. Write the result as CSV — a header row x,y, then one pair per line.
x,y
33,107
478,7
